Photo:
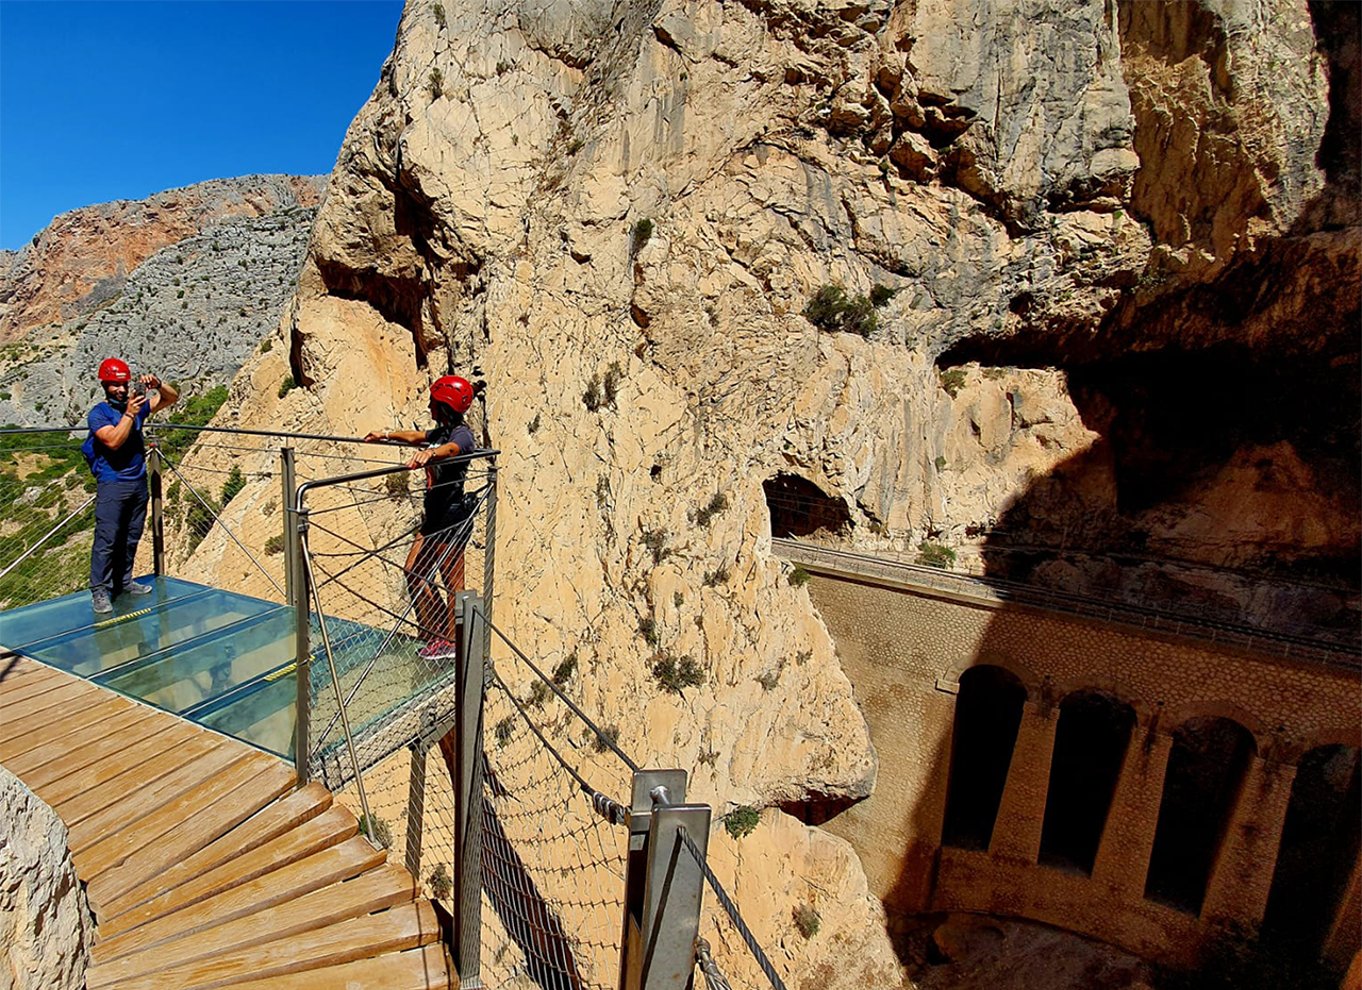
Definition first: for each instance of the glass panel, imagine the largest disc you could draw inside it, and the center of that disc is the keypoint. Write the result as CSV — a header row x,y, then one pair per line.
x,y
204,668
44,620
143,631
262,714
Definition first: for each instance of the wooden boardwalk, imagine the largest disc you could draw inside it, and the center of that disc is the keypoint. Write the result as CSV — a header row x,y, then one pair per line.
x,y
203,865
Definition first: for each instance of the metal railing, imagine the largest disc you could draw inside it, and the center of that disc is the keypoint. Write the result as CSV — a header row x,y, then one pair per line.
x,y
553,856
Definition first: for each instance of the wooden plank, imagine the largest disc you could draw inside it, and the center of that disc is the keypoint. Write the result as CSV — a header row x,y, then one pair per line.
x,y
186,824
75,807
426,968
287,830
20,703
16,670
79,743
63,779
405,927
73,715
289,922
145,801
288,883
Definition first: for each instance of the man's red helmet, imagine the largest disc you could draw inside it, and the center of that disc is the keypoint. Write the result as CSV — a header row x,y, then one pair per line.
x,y
452,391
114,370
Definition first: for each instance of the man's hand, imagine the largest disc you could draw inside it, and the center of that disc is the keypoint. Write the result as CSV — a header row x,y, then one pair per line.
x,y
135,403
420,458
375,437
150,381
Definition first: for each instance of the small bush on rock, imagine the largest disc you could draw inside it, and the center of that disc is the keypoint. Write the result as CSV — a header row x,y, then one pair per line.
x,y
742,821
833,311
678,673
935,555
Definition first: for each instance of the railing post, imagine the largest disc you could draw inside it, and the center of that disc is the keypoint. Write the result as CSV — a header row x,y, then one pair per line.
x,y
288,479
293,546
416,807
158,526
654,925
470,681
489,557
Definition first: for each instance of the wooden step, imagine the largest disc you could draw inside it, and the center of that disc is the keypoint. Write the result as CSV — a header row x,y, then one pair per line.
x,y
67,702
210,812
289,922
288,883
112,824
287,830
426,968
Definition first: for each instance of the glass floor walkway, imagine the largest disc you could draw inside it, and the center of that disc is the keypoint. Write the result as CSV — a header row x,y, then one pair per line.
x,y
222,660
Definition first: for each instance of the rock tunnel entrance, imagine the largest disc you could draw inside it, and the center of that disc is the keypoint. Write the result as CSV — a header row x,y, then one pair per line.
x,y
1319,845
988,713
1090,746
1205,770
798,507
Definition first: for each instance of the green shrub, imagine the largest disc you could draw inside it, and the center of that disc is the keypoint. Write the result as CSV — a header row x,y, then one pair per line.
x,y
397,484
647,628
438,9
717,576
806,919
287,386
798,577
935,555
441,883
940,463
533,426
769,679
275,544
266,346
952,380
611,383
881,294
233,485
677,673
539,693
373,827
502,69
715,505
436,83
641,234
565,669
593,398
612,737
742,821
833,311
678,599
656,541
504,730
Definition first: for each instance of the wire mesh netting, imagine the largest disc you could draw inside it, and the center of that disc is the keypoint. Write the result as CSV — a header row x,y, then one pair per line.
x,y
48,518
386,557
553,868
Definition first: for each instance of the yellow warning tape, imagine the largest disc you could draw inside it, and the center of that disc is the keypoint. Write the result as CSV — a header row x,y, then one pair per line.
x,y
281,672
124,618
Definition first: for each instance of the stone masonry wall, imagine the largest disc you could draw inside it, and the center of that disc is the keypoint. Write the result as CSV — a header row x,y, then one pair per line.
x,y
904,654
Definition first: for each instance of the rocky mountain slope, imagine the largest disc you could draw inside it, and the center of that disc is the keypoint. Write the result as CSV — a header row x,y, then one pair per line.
x,y
1087,280
184,283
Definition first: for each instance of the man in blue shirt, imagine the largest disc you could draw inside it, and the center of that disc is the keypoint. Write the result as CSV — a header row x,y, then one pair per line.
x,y
117,457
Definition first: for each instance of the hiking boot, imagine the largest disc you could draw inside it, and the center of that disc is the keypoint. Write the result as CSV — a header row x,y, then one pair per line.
x,y
437,649
139,589
99,598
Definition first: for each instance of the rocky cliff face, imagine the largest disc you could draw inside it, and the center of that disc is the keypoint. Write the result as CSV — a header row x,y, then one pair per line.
x,y
45,923
1101,247
184,283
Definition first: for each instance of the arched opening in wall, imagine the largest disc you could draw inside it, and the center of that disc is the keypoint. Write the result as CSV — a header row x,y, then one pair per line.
x,y
1090,746
1205,769
1319,845
798,507
988,711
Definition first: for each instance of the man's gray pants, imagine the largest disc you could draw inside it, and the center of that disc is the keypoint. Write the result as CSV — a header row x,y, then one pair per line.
x,y
120,511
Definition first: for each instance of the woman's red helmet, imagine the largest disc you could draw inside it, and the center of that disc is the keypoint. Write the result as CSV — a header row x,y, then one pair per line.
x,y
114,370
452,391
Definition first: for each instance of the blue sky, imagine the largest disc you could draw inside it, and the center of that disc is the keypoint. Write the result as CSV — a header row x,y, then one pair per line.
x,y
116,99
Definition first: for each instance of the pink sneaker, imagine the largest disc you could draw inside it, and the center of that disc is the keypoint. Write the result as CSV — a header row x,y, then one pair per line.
x,y
437,649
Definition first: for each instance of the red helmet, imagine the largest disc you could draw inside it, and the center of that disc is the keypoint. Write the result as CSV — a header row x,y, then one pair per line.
x,y
114,370
452,391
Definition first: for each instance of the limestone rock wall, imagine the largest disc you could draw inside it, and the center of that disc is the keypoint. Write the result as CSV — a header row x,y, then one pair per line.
x,y
45,924
620,211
